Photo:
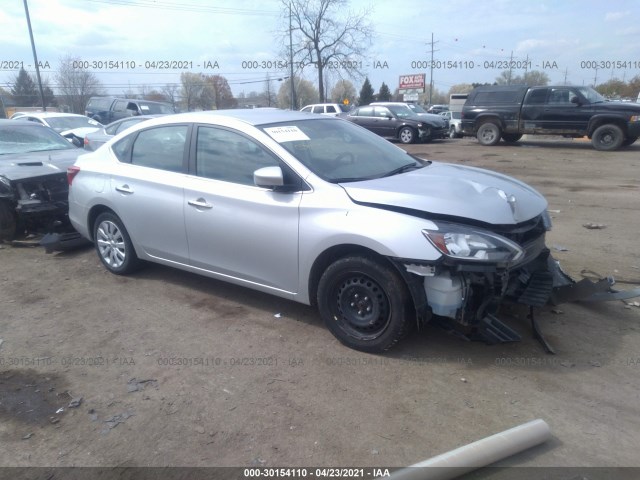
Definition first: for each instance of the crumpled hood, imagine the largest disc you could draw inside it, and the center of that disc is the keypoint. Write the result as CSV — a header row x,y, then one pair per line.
x,y
36,164
79,132
454,190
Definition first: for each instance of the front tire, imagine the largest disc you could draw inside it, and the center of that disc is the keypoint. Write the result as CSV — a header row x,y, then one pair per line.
x,y
8,222
488,134
511,137
407,135
364,303
607,138
113,245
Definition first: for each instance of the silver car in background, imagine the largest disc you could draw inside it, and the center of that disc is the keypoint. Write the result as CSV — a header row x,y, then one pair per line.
x,y
320,211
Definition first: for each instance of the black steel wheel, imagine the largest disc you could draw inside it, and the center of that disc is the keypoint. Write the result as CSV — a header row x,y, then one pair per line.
x,y
607,137
364,303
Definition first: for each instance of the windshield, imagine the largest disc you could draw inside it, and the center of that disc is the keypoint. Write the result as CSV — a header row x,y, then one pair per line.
x,y
339,151
30,138
155,108
591,95
416,108
60,124
401,110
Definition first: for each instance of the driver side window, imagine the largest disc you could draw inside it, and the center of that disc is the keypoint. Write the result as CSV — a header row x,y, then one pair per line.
x,y
228,156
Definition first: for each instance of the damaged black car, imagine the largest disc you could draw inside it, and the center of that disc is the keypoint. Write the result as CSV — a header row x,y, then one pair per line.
x,y
33,180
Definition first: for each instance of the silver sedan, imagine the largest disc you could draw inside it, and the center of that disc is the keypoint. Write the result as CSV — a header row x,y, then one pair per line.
x,y
320,211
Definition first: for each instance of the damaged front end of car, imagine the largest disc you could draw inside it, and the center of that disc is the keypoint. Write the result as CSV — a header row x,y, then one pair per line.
x,y
480,269
34,206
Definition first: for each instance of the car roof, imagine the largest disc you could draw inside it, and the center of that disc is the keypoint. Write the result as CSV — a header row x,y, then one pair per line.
x,y
253,116
6,122
51,114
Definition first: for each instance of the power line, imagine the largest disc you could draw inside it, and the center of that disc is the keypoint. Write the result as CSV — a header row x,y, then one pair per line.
x,y
187,7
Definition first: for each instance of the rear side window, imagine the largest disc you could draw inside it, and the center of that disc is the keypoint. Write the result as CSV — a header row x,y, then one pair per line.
x,y
331,109
318,109
160,147
509,96
365,112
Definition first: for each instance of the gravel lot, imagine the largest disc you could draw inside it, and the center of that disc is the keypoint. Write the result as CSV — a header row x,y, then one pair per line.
x,y
172,369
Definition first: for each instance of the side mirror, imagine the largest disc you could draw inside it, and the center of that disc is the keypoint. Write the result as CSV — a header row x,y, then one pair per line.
x,y
268,177
575,99
77,142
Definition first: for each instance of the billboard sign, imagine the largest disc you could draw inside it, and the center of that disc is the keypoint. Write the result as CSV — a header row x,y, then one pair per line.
x,y
412,82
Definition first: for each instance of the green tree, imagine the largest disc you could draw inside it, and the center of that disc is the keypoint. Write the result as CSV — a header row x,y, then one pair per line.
x,y
384,95
306,93
24,90
366,93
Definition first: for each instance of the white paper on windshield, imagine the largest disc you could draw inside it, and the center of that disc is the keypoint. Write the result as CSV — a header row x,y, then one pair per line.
x,y
286,134
144,107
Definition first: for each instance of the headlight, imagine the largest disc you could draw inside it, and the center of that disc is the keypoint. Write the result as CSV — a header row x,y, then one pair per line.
x,y
546,220
635,118
468,243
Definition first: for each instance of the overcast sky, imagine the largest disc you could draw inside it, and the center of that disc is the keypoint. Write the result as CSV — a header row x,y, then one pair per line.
x,y
563,38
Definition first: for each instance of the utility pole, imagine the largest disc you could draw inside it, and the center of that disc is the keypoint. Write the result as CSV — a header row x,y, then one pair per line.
x,y
293,90
566,71
35,57
431,69
510,68
595,79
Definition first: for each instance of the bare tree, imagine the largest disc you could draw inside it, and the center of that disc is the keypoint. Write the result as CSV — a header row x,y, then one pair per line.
x,y
170,91
328,35
219,89
76,85
344,89
192,88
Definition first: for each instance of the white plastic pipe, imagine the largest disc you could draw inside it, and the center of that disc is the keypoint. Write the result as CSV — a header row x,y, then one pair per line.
x,y
477,454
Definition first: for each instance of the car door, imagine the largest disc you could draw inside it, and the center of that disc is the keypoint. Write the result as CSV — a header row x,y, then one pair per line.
x,y
562,115
385,122
364,117
236,229
147,190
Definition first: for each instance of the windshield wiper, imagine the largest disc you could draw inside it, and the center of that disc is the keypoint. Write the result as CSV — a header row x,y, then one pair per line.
x,y
402,169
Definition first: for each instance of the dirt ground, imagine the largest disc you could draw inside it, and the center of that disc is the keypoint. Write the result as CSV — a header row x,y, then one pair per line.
x,y
165,368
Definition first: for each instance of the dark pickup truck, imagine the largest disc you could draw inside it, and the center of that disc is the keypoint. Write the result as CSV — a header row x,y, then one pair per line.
x,y
108,109
502,112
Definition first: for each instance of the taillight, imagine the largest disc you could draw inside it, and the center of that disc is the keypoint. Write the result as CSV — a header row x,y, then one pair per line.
x,y
86,142
71,173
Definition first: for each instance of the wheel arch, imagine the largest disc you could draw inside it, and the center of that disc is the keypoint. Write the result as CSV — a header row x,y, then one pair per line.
x,y
413,283
598,121
329,256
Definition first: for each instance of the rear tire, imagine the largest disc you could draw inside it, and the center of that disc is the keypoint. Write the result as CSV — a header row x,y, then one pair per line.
x,y
364,303
488,134
607,137
113,245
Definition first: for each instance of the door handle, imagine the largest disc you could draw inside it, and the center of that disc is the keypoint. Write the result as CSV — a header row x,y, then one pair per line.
x,y
200,203
124,189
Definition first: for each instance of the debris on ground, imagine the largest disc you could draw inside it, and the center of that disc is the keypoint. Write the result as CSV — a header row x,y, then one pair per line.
x,y
27,436
594,226
115,420
135,385
560,248
75,402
